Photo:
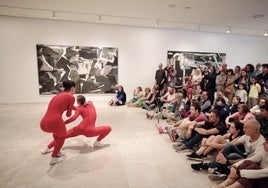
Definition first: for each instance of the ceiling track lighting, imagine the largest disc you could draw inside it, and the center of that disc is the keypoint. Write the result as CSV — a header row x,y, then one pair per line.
x,y
54,15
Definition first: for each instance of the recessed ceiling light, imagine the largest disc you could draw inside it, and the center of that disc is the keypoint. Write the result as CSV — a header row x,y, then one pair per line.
x,y
265,34
187,7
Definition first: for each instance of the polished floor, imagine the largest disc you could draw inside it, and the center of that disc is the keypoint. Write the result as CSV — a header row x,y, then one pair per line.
x,y
137,156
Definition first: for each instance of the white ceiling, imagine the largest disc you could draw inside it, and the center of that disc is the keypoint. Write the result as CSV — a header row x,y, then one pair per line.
x,y
195,15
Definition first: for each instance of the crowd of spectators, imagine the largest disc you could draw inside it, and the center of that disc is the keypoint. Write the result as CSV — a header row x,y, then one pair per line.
x,y
218,117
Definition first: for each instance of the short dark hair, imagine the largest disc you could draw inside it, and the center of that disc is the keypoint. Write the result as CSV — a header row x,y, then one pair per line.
x,y
265,65
221,99
265,107
68,84
196,106
216,112
264,132
81,99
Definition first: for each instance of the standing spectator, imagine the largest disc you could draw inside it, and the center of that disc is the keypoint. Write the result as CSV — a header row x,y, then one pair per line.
x,y
197,79
244,79
229,85
250,69
237,72
220,81
171,75
210,82
263,80
254,91
242,93
258,69
160,77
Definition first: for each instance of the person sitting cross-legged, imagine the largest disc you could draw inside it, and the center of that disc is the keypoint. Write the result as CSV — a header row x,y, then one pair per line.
x,y
251,172
252,141
180,127
195,134
218,142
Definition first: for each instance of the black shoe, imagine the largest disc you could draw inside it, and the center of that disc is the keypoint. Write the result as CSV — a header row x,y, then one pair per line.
x,y
194,155
199,166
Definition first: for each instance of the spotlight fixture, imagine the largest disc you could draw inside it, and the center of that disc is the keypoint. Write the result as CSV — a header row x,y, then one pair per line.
x,y
229,30
100,18
156,23
265,34
54,15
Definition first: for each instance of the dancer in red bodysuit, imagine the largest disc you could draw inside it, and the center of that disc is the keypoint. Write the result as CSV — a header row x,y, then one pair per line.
x,y
87,126
52,121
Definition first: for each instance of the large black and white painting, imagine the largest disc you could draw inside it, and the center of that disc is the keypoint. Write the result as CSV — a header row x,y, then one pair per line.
x,y
185,62
93,69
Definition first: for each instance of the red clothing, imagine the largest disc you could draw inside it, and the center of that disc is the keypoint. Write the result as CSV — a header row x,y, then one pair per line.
x,y
87,126
52,121
201,117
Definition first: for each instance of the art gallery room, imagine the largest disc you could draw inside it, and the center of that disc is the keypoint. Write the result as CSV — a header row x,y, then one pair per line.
x,y
105,44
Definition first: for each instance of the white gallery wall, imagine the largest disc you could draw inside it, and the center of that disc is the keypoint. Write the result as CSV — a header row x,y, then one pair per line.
x,y
140,51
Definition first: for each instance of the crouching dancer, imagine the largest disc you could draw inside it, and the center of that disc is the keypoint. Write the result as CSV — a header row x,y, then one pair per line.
x,y
87,126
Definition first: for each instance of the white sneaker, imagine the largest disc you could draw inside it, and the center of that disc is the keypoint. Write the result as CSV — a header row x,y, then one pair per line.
x,y
98,144
44,150
55,160
60,154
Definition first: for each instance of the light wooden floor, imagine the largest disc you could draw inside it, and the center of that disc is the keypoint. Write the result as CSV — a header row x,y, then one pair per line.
x,y
138,157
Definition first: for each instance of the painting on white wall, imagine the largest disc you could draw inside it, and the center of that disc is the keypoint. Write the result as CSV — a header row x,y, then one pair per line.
x,y
93,69
185,62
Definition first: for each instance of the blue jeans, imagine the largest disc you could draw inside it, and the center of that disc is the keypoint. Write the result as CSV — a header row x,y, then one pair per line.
x,y
195,139
231,152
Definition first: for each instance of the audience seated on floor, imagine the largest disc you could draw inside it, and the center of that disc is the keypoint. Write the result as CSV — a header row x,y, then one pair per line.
x,y
256,109
119,99
235,104
222,107
242,115
217,142
137,94
146,96
196,132
252,141
203,137
169,111
179,128
251,172
152,102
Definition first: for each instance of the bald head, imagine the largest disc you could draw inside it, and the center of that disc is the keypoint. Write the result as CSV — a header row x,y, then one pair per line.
x,y
252,127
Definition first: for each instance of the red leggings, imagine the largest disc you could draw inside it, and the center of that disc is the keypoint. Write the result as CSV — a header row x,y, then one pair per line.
x,y
100,131
59,134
